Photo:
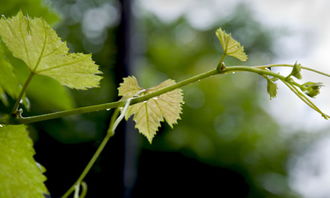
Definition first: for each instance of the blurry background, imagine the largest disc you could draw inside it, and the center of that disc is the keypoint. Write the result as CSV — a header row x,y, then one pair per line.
x,y
232,140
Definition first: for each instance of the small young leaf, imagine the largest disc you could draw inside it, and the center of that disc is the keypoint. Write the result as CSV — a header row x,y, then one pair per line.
x,y
150,113
296,71
20,175
271,88
37,44
230,46
129,87
311,89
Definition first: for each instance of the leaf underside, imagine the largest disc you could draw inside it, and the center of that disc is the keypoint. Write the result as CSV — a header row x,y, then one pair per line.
x,y
149,114
8,81
230,46
37,44
20,175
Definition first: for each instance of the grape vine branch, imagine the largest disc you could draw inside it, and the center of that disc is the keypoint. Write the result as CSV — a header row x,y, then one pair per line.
x,y
19,119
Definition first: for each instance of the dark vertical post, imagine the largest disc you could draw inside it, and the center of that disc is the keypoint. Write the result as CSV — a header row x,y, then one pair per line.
x,y
124,39
126,139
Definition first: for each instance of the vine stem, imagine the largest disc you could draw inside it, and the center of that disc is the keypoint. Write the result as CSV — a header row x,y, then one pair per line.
x,y
289,65
89,165
114,122
97,153
21,94
254,69
120,103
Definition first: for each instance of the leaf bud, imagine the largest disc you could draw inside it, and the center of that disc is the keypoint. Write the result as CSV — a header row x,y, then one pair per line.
x,y
311,89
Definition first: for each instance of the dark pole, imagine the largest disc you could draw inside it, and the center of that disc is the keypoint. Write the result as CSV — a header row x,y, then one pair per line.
x,y
124,40
125,137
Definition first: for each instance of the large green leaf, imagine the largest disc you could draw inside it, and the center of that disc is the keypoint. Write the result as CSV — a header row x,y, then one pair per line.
x,y
150,113
37,44
20,175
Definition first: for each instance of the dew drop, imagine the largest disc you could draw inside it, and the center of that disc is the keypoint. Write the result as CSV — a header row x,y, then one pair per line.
x,y
155,98
1,125
234,72
108,109
21,101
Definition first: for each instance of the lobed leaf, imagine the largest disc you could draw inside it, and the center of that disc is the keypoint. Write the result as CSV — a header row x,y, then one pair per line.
x,y
37,44
149,114
230,46
20,175
271,88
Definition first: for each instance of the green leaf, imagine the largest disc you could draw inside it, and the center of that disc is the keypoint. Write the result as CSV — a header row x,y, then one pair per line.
x,y
271,88
149,114
230,46
311,89
3,97
37,44
296,71
8,80
49,94
20,175
129,87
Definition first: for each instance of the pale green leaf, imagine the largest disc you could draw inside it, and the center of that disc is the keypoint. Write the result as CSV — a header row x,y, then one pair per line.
x,y
129,87
230,46
149,114
37,44
271,88
20,175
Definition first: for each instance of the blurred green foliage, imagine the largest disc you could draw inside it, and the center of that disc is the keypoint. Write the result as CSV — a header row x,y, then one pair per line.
x,y
224,121
34,8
